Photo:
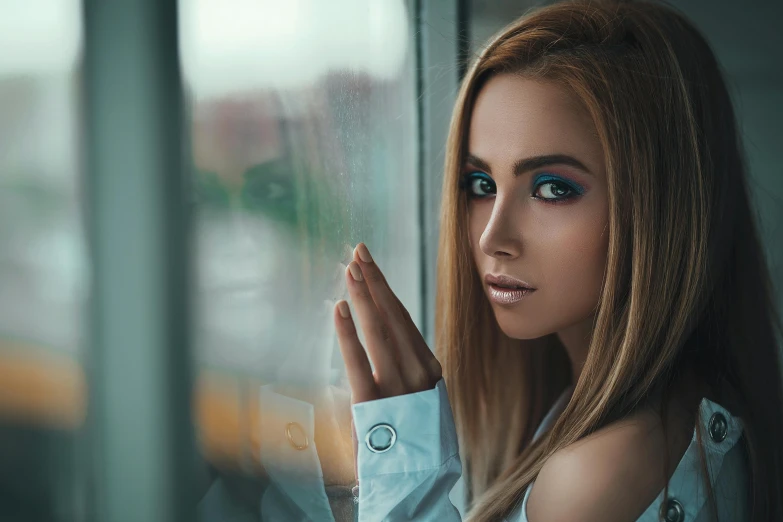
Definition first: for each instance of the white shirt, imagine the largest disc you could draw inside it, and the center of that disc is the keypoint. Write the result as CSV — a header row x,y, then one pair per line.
x,y
415,478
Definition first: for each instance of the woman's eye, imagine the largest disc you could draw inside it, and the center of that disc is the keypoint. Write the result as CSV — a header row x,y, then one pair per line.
x,y
555,190
478,185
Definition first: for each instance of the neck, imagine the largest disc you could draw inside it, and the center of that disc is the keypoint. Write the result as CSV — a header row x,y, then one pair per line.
x,y
576,340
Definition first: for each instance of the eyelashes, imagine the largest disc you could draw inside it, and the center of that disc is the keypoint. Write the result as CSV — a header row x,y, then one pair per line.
x,y
477,181
548,188
551,187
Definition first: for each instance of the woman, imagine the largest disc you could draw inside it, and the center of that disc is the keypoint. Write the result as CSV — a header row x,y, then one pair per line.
x,y
599,262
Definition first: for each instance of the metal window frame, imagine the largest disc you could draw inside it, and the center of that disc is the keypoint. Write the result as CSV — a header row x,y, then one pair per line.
x,y
442,45
139,237
138,363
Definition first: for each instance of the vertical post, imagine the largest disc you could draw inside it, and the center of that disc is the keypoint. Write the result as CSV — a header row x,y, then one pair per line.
x,y
439,44
139,362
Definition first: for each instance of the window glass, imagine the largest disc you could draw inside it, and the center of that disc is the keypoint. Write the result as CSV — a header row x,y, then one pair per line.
x,y
42,263
304,144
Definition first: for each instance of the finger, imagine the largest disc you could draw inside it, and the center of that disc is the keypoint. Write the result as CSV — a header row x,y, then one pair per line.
x,y
435,368
417,362
380,340
357,366
361,249
386,300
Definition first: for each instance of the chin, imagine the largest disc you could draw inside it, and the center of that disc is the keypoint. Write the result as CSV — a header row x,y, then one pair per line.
x,y
517,328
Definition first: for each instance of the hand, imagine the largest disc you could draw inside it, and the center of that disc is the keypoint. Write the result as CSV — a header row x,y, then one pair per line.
x,y
403,362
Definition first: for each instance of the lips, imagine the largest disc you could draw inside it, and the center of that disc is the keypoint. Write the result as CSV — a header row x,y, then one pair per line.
x,y
507,282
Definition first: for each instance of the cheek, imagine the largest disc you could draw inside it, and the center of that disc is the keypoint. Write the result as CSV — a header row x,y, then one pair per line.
x,y
573,248
478,217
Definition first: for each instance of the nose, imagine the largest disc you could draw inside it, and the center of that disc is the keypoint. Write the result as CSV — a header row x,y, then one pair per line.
x,y
502,235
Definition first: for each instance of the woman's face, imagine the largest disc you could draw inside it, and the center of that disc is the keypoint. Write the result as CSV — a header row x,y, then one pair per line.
x,y
537,205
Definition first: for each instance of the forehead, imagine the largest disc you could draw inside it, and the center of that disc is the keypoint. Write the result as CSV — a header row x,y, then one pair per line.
x,y
516,117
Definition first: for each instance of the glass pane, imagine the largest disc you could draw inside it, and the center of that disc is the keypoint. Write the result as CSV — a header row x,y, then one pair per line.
x,y
304,140
42,263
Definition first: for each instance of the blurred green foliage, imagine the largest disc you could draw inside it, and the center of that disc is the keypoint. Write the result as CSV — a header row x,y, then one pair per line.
x,y
306,201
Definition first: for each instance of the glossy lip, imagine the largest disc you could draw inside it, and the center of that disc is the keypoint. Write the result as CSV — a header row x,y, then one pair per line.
x,y
507,296
506,282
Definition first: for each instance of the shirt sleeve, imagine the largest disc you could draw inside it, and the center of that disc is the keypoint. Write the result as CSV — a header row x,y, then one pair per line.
x,y
290,459
408,457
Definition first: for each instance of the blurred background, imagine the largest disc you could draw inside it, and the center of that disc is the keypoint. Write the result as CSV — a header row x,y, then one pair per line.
x,y
148,289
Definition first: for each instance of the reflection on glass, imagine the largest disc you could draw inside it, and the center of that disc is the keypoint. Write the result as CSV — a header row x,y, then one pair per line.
x,y
42,263
303,130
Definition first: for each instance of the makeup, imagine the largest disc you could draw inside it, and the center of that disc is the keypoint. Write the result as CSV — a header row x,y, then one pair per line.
x,y
504,289
507,296
556,190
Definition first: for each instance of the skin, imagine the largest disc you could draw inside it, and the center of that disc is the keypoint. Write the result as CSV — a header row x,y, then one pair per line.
x,y
403,361
533,228
550,234
517,227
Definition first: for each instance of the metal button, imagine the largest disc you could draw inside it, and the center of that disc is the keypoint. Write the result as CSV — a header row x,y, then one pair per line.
x,y
674,512
380,438
719,428
293,430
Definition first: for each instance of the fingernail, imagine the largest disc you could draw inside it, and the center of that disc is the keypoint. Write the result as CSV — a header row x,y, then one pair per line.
x,y
342,307
364,253
356,272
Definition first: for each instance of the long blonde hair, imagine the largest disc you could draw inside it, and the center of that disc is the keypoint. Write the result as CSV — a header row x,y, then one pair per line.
x,y
686,283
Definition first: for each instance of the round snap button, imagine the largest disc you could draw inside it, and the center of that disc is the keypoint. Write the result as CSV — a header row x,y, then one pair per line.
x,y
296,436
673,512
380,438
719,427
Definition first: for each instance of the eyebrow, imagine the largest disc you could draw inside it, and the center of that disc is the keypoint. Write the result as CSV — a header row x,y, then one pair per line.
x,y
535,162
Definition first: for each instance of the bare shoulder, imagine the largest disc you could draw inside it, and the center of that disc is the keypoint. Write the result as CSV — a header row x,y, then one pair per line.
x,y
611,475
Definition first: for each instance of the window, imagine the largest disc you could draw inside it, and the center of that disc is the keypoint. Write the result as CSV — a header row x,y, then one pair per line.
x,y
304,125
42,263
304,142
